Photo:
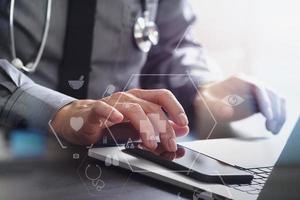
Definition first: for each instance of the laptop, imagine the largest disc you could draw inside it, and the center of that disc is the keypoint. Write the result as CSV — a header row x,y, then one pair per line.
x,y
284,180
272,180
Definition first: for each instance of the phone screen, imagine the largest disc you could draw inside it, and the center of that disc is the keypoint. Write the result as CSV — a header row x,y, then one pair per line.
x,y
192,163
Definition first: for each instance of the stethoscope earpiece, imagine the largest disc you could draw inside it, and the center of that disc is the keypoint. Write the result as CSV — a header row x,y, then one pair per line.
x,y
17,63
29,67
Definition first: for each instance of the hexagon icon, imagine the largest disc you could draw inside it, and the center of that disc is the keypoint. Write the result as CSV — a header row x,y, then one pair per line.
x,y
179,80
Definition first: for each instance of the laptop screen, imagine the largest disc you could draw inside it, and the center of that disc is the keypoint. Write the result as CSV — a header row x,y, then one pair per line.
x,y
284,180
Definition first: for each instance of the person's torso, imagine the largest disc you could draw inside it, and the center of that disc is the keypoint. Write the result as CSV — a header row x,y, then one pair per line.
x,y
115,56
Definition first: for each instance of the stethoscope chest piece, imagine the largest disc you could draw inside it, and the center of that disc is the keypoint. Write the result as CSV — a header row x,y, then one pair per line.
x,y
145,32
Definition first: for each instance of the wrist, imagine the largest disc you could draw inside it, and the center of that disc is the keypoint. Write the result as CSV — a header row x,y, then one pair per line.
x,y
59,118
201,96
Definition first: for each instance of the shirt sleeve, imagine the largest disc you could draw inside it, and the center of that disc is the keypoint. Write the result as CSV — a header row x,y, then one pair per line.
x,y
177,59
25,103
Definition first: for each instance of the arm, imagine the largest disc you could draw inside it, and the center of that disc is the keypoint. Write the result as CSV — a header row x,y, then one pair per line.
x,y
23,102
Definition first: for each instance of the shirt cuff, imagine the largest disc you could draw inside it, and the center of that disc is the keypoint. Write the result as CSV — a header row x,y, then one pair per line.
x,y
33,106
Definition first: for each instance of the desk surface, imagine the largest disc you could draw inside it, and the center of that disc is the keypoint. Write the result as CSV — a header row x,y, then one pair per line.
x,y
64,180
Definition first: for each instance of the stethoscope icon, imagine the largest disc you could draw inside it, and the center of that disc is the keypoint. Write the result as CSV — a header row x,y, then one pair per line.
x,y
96,181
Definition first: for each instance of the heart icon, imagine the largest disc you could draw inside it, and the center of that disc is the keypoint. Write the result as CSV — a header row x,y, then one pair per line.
x,y
76,123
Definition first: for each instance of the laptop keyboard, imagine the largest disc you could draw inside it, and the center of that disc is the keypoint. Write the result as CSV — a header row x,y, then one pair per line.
x,y
260,177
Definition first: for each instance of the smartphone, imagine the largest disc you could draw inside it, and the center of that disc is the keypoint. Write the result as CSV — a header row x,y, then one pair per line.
x,y
192,164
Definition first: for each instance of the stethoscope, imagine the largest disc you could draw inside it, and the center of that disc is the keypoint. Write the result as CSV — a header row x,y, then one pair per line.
x,y
17,62
145,30
145,33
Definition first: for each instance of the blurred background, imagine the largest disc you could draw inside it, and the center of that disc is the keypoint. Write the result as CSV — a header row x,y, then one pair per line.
x,y
260,38
257,37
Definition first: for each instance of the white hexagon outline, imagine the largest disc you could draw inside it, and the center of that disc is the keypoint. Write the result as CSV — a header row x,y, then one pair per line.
x,y
202,98
56,136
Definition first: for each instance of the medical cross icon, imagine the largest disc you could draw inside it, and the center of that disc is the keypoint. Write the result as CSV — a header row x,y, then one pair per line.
x,y
158,124
129,144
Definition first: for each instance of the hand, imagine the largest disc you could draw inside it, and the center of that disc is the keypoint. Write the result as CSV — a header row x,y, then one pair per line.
x,y
239,97
133,106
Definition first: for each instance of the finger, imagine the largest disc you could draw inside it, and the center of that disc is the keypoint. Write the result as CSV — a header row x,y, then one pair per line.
x,y
165,99
279,112
101,109
283,114
160,124
168,155
91,133
158,120
95,127
180,131
159,149
275,106
165,129
180,152
263,103
105,123
140,122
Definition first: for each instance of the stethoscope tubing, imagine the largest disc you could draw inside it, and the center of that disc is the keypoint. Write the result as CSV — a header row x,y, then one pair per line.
x,y
144,42
33,65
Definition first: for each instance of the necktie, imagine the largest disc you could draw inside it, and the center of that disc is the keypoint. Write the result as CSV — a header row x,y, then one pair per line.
x,y
75,66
